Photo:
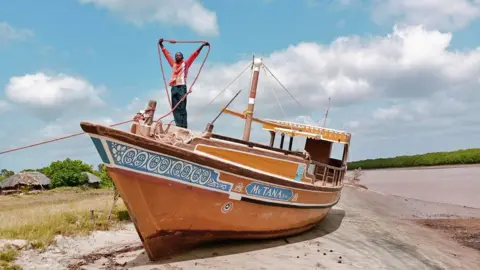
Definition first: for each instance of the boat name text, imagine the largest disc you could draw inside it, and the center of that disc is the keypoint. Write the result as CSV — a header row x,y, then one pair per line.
x,y
270,192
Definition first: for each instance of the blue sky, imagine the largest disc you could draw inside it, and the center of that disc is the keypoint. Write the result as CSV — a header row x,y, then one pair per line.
x,y
403,75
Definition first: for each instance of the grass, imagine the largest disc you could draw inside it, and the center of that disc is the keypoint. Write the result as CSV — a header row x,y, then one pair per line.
x,y
7,256
459,157
39,218
9,266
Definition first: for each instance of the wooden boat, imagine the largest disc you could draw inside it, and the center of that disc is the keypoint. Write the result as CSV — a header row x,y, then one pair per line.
x,y
183,188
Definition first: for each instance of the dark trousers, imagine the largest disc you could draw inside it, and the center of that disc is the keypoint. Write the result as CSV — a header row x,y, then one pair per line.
x,y
180,113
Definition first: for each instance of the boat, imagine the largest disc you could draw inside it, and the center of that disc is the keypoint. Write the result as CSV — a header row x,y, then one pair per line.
x,y
183,188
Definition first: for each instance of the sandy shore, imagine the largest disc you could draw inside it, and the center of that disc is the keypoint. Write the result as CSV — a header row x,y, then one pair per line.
x,y
366,230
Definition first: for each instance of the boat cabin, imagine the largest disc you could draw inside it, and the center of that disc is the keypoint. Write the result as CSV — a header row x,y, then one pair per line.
x,y
325,169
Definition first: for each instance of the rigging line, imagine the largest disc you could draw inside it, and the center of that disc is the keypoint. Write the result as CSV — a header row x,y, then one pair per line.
x,y
278,101
201,110
56,139
284,87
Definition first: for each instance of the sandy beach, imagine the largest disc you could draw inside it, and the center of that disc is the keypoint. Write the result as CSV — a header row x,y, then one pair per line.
x,y
366,230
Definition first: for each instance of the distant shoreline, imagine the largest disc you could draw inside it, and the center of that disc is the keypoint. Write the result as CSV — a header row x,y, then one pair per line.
x,y
433,167
463,157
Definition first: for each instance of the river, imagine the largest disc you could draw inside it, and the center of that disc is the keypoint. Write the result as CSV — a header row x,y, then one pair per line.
x,y
453,185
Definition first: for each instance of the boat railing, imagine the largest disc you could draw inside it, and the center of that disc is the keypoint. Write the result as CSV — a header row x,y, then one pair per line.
x,y
328,175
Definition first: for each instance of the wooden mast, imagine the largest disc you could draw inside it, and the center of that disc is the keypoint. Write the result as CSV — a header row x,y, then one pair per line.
x,y
257,63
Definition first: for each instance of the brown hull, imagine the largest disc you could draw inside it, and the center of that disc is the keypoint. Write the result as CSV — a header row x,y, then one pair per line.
x,y
172,217
180,196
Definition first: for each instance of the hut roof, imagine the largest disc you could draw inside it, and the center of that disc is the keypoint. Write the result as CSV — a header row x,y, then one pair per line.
x,y
92,178
26,178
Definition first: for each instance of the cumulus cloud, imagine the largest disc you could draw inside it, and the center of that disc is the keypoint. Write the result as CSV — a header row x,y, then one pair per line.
x,y
48,93
410,62
190,13
9,33
439,14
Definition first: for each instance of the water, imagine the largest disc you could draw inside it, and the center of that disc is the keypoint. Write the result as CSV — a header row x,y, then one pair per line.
x,y
457,185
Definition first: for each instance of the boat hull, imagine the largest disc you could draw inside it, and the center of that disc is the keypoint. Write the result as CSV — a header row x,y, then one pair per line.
x,y
178,199
172,217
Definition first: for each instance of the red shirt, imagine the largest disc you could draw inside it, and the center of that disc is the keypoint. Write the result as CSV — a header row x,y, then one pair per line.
x,y
179,70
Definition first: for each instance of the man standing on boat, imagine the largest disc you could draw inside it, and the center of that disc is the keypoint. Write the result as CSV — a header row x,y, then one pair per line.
x,y
178,81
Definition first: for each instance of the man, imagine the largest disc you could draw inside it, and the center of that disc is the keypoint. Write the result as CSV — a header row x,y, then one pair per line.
x,y
178,81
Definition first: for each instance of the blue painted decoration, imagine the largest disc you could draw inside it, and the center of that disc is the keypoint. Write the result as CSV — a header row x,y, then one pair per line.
x,y
146,161
100,149
270,192
299,174
311,168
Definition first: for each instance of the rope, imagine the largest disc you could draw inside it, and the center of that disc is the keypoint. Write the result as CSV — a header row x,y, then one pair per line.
x,y
193,82
200,110
56,139
278,101
283,86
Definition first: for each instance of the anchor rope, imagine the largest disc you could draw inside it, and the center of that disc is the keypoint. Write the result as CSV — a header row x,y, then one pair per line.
x,y
56,139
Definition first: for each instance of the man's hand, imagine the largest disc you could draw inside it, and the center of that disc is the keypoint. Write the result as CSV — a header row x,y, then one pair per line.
x,y
204,44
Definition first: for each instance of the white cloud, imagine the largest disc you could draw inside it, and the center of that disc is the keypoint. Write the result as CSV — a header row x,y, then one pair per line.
x,y
53,94
190,13
434,14
9,33
42,90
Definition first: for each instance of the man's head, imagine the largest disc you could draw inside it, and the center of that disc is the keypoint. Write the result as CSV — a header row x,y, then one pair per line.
x,y
178,57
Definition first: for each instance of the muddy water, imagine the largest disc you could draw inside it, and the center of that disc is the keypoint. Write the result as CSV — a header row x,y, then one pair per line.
x,y
460,185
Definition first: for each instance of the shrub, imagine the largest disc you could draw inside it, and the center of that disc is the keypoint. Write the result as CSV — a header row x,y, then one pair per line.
x,y
465,156
67,173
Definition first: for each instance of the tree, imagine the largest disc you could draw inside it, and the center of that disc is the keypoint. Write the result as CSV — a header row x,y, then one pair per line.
x,y
67,173
6,173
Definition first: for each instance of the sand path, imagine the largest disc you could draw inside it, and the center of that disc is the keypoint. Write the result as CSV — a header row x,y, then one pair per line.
x,y
366,230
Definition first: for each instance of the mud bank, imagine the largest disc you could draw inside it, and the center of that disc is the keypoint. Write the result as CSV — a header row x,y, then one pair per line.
x,y
366,230
452,185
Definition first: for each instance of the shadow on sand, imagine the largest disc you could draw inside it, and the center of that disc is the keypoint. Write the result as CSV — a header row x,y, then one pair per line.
x,y
328,225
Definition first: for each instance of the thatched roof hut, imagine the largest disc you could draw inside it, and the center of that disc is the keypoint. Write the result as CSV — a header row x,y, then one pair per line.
x,y
92,178
33,179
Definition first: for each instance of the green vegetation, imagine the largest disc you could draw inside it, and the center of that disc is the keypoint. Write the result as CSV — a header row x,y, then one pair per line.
x,y
4,173
7,256
459,157
68,173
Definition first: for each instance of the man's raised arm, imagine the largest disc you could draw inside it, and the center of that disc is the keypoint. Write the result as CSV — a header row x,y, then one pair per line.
x,y
166,53
194,55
